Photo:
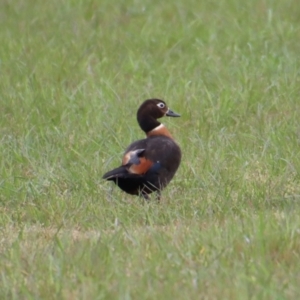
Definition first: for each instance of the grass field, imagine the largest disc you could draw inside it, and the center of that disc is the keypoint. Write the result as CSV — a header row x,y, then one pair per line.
x,y
72,75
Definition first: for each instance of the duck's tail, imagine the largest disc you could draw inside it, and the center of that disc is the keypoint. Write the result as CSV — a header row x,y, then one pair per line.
x,y
119,172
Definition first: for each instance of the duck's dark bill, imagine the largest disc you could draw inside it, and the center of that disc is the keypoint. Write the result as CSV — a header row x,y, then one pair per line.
x,y
171,113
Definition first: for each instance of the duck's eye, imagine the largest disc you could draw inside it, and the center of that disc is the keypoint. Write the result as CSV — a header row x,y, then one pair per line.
x,y
160,105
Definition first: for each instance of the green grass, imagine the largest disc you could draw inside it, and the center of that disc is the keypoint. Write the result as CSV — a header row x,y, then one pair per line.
x,y
72,75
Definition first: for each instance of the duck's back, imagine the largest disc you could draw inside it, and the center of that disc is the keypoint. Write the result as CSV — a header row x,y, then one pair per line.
x,y
162,150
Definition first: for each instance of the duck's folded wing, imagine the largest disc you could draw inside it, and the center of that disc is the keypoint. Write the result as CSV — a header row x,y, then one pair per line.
x,y
123,172
120,172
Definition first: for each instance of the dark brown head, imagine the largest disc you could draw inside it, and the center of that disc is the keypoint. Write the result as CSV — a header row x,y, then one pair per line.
x,y
150,111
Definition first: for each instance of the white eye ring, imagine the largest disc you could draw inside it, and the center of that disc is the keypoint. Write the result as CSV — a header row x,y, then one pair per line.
x,y
160,105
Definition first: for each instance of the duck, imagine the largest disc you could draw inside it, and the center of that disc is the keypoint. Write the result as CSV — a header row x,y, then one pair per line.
x,y
149,164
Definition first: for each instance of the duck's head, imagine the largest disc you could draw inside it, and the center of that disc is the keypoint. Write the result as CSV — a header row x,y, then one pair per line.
x,y
150,111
